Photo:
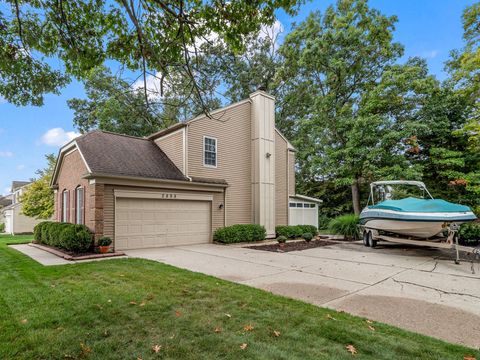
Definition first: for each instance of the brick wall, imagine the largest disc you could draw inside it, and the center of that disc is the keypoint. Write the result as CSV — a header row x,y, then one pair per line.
x,y
69,178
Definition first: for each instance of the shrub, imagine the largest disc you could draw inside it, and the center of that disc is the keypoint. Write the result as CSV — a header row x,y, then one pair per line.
x,y
282,239
323,222
70,237
469,234
240,233
307,237
104,241
295,231
346,225
2,227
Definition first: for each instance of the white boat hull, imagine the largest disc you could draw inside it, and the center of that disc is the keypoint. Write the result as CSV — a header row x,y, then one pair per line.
x,y
418,229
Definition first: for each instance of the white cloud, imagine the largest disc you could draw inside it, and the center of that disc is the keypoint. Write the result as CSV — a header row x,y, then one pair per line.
x,y
430,54
20,167
7,190
58,137
6,154
2,100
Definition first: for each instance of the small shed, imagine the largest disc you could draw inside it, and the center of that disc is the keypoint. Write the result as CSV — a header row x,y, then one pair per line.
x,y
303,210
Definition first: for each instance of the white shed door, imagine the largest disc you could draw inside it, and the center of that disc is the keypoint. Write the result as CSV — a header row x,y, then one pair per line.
x,y
303,215
147,223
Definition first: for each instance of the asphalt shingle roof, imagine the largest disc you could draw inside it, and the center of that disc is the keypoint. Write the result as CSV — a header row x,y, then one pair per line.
x,y
123,155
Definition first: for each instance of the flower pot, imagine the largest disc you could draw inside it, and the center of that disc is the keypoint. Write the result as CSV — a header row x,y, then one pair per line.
x,y
281,245
103,249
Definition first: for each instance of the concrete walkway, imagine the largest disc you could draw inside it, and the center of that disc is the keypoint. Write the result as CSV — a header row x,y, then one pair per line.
x,y
416,289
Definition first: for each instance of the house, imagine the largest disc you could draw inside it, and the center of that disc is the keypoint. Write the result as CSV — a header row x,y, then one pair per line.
x,y
15,222
178,185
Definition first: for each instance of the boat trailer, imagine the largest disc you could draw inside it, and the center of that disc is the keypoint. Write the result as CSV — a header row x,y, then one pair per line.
x,y
450,242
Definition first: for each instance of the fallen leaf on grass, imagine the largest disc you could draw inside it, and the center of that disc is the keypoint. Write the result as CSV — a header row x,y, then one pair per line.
x,y
133,302
178,313
243,346
139,358
68,356
276,333
469,357
156,348
248,327
85,350
24,321
351,349
369,321
109,300
218,330
371,327
228,315
330,317
142,303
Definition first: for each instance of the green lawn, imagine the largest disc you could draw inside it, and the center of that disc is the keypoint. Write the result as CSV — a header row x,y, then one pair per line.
x,y
120,309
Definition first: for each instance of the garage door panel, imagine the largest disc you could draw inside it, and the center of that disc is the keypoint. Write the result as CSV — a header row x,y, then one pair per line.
x,y
145,223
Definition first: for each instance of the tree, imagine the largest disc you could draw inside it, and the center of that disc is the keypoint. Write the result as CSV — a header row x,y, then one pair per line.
x,y
158,39
354,104
37,200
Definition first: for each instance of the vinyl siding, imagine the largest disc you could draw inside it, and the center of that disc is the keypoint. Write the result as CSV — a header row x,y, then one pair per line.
x,y
109,205
291,173
22,223
172,146
232,129
281,176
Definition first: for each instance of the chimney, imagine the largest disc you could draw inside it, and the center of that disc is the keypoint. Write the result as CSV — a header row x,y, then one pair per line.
x,y
263,160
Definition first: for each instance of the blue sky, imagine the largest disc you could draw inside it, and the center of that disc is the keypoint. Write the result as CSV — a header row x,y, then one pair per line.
x,y
427,28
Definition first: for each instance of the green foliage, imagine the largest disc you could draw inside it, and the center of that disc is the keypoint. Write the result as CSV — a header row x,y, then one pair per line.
x,y
38,199
469,234
70,237
240,233
153,39
104,241
307,236
295,231
346,225
2,227
281,239
323,221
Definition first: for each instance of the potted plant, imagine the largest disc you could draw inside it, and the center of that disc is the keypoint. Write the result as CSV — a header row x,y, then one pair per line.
x,y
281,241
104,244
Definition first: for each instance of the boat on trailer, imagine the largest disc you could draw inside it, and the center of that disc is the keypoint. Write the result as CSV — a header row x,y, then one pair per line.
x,y
420,216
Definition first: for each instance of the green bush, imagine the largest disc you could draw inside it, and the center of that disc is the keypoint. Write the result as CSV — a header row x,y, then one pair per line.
x,y
346,225
469,234
323,221
70,237
282,239
295,231
307,237
2,227
240,233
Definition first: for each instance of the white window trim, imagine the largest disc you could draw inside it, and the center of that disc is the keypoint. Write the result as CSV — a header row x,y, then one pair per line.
x,y
65,205
216,152
79,211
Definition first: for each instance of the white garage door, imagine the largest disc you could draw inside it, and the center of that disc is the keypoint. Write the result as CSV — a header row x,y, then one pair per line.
x,y
303,213
146,223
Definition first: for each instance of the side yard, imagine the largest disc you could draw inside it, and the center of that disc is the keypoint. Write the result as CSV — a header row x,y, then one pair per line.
x,y
140,309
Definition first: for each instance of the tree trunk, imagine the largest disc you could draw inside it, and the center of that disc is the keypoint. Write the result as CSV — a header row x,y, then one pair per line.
x,y
356,197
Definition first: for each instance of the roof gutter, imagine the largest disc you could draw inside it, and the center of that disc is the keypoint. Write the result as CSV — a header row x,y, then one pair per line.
x,y
139,178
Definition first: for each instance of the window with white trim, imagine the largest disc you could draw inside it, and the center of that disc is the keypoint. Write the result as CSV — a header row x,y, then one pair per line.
x,y
65,206
79,205
209,151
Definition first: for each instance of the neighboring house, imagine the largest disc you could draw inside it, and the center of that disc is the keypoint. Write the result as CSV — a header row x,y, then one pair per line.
x,y
178,185
15,221
4,202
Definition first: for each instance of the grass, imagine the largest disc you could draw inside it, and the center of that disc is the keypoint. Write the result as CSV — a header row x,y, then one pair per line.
x,y
120,309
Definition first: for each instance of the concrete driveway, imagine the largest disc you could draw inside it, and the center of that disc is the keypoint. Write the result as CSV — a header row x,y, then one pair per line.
x,y
416,289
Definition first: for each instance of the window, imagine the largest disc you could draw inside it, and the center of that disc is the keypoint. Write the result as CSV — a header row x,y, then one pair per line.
x,y
65,206
312,205
209,151
79,205
292,205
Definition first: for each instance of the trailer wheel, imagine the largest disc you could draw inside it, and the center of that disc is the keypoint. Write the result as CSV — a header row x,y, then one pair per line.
x,y
366,238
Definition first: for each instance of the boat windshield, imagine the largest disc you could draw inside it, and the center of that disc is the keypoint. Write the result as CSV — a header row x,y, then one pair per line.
x,y
397,192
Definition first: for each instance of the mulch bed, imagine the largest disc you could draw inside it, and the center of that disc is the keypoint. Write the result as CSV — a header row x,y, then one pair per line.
x,y
74,256
293,246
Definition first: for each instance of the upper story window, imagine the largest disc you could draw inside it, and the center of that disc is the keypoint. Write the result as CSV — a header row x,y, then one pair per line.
x,y
79,206
65,206
209,151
